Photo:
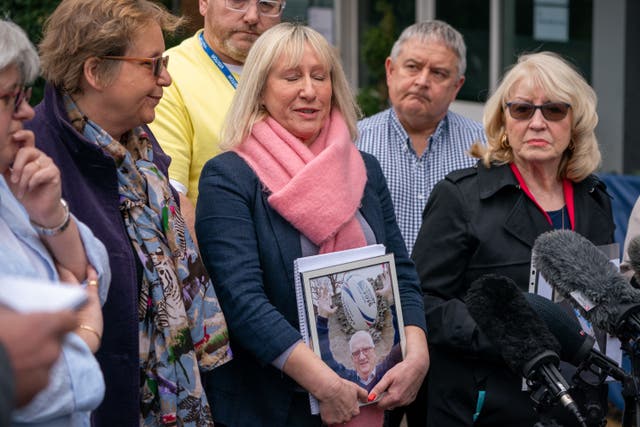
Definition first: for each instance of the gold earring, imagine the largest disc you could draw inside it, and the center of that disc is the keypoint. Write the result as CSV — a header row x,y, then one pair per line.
x,y
504,142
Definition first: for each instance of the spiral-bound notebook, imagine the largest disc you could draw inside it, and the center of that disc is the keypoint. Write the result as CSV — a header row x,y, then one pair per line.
x,y
348,302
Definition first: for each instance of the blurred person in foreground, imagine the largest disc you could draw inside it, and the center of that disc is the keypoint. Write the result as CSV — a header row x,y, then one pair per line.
x,y
292,184
535,175
41,240
105,71
205,69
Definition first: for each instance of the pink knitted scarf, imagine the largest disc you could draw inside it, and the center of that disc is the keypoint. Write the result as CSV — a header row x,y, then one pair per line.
x,y
318,188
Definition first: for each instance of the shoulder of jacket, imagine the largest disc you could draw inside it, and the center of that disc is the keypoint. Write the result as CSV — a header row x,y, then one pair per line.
x,y
368,158
461,174
592,184
596,183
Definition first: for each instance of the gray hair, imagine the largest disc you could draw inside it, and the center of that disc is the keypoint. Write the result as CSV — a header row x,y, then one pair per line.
x,y
16,49
434,31
360,334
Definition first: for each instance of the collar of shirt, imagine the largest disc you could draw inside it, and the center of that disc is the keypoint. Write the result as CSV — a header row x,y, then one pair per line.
x,y
403,137
371,377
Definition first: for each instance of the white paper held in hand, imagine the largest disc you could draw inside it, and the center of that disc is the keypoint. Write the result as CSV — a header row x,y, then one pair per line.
x,y
27,295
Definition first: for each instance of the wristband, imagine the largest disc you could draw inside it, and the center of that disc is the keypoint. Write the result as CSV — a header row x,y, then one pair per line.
x,y
53,231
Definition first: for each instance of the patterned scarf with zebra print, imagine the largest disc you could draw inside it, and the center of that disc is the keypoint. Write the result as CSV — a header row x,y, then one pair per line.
x,y
182,328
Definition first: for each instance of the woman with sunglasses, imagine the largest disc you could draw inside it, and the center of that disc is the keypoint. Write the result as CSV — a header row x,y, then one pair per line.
x,y
534,175
105,75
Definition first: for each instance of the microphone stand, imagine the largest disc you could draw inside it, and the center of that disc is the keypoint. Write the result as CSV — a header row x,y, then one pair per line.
x,y
548,386
628,331
630,388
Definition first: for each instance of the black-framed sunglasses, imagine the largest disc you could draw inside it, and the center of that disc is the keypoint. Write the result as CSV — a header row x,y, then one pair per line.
x,y
158,63
553,111
21,94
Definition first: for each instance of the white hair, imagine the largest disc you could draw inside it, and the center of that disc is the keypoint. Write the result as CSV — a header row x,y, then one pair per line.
x,y
360,334
16,49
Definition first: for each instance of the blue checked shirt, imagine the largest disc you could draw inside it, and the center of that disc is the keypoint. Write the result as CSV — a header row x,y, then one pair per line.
x,y
411,178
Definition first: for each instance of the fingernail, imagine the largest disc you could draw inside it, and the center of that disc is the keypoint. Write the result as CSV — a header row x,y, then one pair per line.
x,y
372,397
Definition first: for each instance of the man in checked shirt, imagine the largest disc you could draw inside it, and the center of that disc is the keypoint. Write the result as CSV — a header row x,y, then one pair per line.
x,y
418,140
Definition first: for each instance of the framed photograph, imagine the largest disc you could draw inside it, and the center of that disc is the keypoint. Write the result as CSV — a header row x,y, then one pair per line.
x,y
354,317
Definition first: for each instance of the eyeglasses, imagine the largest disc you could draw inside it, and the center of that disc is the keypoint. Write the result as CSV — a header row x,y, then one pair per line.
x,y
20,95
268,8
358,352
552,111
157,64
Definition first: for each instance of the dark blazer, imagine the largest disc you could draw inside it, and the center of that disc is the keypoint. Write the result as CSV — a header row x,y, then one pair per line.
x,y
249,250
90,186
479,221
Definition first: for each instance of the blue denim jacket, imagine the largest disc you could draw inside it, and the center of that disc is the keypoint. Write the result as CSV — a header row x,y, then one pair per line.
x,y
76,385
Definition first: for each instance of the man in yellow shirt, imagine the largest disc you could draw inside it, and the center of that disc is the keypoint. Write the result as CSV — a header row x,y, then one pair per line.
x,y
205,69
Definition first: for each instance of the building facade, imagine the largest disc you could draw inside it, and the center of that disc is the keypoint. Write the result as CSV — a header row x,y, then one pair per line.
x,y
600,37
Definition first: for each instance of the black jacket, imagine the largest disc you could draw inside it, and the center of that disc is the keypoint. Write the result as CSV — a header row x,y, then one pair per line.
x,y
479,221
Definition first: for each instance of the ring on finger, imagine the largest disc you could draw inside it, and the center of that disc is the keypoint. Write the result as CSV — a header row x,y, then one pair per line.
x,y
92,282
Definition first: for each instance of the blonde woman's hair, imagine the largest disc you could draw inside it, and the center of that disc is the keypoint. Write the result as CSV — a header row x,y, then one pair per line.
x,y
81,29
562,83
283,42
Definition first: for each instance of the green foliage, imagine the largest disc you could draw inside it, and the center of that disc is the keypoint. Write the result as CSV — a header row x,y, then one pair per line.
x,y
376,45
29,14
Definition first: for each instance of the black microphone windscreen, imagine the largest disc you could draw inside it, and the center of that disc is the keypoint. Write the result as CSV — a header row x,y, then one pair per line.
x,y
633,252
571,263
575,343
504,316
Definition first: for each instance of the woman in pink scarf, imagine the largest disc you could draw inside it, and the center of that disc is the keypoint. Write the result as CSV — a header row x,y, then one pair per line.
x,y
292,184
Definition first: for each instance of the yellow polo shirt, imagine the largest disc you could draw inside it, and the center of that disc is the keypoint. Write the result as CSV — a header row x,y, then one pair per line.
x,y
190,115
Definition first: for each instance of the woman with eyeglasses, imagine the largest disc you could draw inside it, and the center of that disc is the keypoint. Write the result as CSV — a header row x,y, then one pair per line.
x,y
534,175
105,75
40,240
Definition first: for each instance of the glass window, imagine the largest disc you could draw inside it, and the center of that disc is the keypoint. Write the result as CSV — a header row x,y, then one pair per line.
x,y
560,26
296,10
471,18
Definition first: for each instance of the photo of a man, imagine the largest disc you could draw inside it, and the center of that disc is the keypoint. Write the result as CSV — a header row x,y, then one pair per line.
x,y
369,364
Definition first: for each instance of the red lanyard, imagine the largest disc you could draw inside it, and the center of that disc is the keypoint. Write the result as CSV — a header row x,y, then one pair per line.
x,y
567,188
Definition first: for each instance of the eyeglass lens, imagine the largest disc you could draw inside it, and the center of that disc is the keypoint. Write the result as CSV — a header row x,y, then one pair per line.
x,y
159,64
270,8
358,352
24,95
552,111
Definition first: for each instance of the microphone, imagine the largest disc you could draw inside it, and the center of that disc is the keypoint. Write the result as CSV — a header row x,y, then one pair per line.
x,y
580,272
576,344
633,252
525,343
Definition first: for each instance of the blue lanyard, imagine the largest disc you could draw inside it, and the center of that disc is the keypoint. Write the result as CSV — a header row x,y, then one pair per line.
x,y
216,60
